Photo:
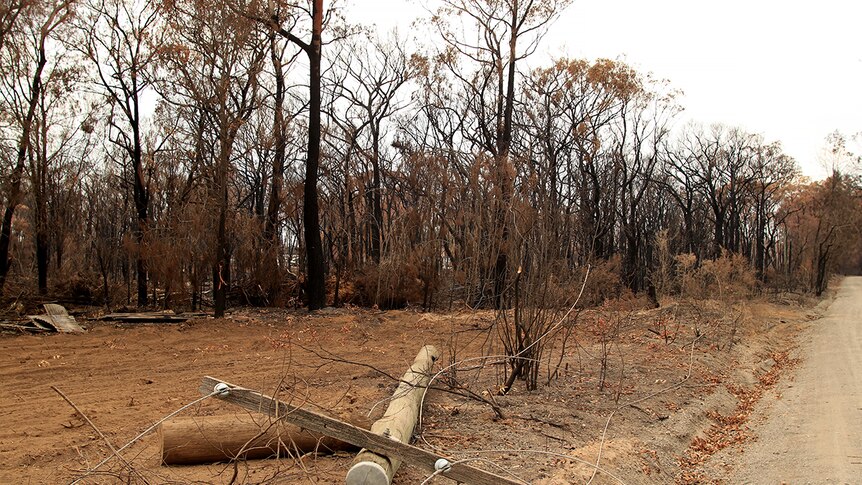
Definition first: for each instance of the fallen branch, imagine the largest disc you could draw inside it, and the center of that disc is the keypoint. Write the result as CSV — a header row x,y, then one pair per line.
x,y
142,434
99,432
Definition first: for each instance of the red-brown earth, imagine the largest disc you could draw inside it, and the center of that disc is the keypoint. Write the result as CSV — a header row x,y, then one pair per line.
x,y
663,427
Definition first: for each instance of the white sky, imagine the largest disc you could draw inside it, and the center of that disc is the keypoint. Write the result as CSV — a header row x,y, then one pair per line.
x,y
791,70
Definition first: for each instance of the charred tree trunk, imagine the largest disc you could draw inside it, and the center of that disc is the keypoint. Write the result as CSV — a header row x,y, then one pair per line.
x,y
142,201
17,172
376,205
221,262
42,255
504,166
311,213
822,265
39,172
220,267
39,165
719,234
630,261
760,246
271,224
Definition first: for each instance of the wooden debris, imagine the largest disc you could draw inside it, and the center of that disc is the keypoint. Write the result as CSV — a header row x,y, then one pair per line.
x,y
210,439
24,327
150,317
56,320
397,423
411,455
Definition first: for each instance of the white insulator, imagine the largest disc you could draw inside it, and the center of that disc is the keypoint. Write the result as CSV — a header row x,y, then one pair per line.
x,y
442,465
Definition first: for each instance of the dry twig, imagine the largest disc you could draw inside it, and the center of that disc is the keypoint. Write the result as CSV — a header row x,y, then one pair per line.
x,y
638,401
99,432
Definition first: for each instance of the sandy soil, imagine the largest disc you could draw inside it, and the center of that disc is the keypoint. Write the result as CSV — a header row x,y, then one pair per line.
x,y
664,398
810,428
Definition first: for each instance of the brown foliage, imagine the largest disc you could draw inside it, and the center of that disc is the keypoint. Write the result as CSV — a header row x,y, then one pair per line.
x,y
394,284
729,277
462,188
604,283
79,289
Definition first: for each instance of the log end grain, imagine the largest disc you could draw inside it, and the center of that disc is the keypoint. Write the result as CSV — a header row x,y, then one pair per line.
x,y
367,473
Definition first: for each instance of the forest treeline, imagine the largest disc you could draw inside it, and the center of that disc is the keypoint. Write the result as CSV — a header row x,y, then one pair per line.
x,y
197,152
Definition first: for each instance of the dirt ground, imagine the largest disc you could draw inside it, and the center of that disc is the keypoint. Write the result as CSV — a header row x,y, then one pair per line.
x,y
681,382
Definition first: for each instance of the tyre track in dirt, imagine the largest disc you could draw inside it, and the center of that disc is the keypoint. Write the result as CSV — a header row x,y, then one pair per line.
x,y
126,377
811,430
102,373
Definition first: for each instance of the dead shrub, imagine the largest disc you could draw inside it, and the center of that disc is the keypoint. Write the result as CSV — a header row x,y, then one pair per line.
x,y
787,281
79,289
686,279
341,290
662,276
613,319
605,283
727,277
392,285
537,329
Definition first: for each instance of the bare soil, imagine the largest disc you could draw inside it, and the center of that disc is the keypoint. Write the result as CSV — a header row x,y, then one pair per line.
x,y
673,396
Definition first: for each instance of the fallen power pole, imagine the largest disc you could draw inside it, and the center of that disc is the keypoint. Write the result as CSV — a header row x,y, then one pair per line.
x,y
370,468
382,445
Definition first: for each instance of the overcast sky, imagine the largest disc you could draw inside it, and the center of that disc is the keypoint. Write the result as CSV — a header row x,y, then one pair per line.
x,y
791,70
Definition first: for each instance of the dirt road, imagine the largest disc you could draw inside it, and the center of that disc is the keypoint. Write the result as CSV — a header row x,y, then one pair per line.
x,y
813,432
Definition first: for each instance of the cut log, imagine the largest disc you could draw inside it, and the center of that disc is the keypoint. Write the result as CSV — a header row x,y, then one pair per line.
x,y
397,423
210,439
